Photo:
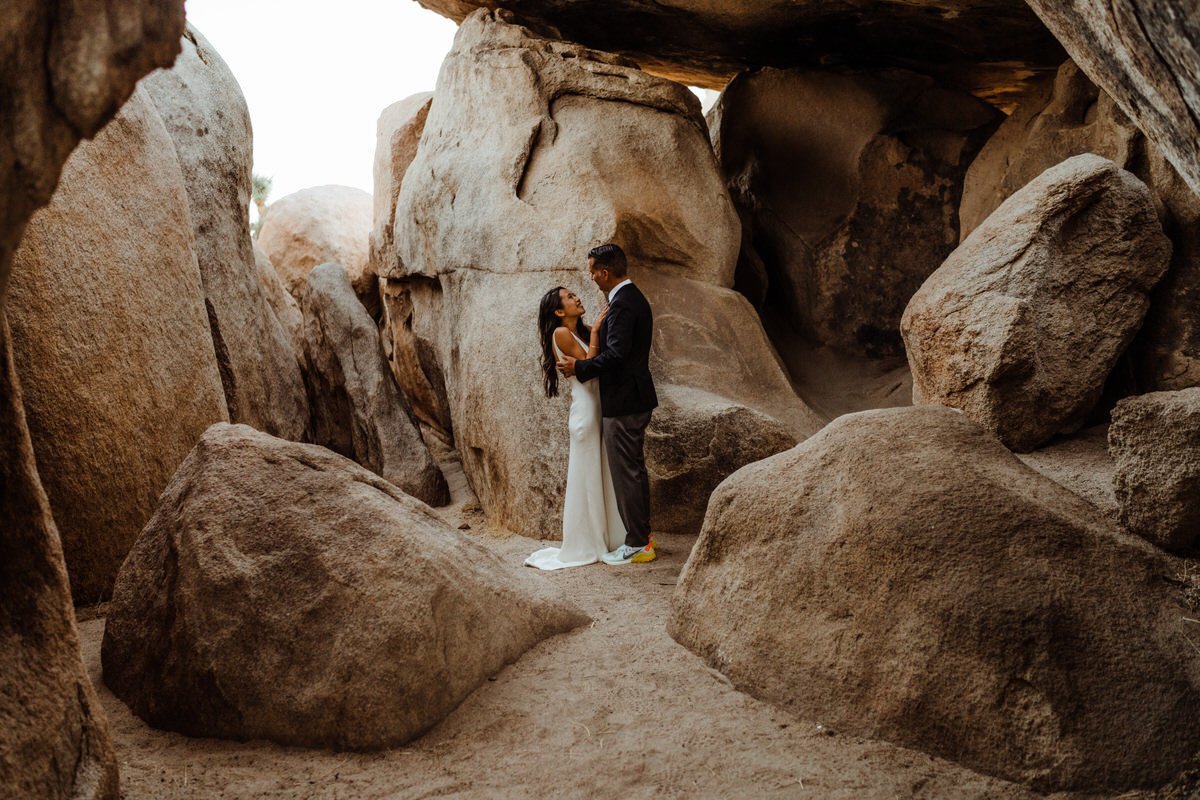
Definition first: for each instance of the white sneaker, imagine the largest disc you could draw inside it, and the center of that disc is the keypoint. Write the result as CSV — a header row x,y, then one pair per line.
x,y
625,554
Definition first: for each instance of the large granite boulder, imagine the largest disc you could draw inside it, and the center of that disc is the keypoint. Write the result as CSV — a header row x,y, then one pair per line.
x,y
357,409
991,47
54,740
396,137
847,186
533,152
1155,441
1022,324
1069,116
62,77
202,106
283,592
317,225
902,576
1146,55
111,341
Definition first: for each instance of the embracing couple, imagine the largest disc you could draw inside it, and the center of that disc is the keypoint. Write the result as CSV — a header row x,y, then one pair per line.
x,y
606,512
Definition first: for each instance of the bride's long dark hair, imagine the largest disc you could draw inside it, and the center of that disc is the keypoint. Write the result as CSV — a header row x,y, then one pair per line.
x,y
547,323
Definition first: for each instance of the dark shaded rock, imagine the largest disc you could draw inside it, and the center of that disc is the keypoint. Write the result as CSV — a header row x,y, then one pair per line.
x,y
847,186
990,47
357,409
901,576
1155,440
283,592
1146,55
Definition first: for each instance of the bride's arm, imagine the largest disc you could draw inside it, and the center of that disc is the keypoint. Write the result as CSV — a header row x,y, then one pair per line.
x,y
568,344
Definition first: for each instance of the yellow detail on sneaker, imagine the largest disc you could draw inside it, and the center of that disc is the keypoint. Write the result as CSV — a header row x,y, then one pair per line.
x,y
645,555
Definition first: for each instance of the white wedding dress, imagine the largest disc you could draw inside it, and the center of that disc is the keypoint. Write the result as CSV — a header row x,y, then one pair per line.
x,y
591,524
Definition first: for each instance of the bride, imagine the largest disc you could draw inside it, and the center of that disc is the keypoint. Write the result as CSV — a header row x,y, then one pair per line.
x,y
591,524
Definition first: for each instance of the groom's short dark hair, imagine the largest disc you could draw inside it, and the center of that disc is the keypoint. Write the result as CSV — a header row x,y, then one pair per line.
x,y
610,257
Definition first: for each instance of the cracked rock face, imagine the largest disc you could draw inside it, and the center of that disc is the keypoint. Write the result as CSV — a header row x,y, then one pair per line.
x,y
1023,323
533,152
283,592
206,116
988,47
357,409
1146,54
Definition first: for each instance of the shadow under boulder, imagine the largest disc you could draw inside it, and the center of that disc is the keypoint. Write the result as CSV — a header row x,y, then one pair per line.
x,y
902,576
283,592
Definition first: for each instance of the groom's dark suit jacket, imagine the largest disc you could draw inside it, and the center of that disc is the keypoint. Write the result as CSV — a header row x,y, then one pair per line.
x,y
623,364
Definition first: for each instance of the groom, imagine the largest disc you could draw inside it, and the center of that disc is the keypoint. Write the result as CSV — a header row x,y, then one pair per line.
x,y
627,395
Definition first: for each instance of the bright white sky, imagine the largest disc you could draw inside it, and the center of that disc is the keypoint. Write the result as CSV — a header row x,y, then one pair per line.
x,y
316,75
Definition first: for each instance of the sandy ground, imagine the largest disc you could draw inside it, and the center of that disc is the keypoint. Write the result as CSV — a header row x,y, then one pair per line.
x,y
614,709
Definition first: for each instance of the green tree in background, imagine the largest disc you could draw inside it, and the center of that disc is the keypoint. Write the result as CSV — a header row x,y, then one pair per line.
x,y
260,190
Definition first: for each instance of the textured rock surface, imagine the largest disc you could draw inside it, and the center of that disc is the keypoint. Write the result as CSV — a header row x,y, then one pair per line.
x,y
410,341
941,595
988,46
1155,440
202,106
63,76
283,592
1070,116
1145,55
396,137
696,440
847,186
1063,117
112,342
316,225
1022,324
357,409
502,202
54,739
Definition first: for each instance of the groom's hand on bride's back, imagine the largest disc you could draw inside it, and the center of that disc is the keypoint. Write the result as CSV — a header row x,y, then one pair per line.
x,y
566,365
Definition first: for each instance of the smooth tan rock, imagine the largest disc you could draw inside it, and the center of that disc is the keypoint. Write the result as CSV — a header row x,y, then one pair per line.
x,y
1022,324
204,112
397,134
317,225
111,340
1146,55
847,186
538,150
283,592
285,307
901,576
1155,440
357,409
501,204
991,47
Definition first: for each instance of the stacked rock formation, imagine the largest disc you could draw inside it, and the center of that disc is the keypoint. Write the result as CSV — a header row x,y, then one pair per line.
x,y
498,208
